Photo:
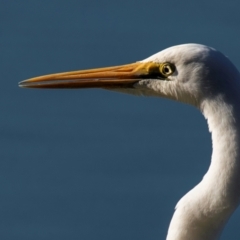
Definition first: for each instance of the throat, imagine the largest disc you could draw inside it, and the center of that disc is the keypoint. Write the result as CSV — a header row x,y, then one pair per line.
x,y
203,212
224,171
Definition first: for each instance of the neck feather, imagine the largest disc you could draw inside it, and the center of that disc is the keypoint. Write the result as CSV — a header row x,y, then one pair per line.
x,y
202,213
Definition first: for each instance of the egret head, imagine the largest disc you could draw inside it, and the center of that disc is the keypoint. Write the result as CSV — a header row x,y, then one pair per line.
x,y
187,73
199,73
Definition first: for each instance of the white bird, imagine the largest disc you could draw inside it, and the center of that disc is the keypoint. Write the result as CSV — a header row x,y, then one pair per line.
x,y
200,76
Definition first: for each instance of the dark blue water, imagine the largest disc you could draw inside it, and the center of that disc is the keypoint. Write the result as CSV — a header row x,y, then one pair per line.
x,y
92,164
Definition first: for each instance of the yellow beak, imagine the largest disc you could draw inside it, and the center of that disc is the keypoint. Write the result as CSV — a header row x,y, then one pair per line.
x,y
110,77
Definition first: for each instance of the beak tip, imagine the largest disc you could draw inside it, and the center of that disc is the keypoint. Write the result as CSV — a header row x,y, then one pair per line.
x,y
27,84
22,84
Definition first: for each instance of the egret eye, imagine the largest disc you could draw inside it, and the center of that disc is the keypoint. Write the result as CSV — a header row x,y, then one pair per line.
x,y
167,69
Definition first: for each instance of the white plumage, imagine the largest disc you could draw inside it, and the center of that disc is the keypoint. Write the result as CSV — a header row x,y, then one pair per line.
x,y
200,76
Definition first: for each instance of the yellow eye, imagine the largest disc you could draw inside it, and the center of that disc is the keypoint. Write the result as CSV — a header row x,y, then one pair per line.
x,y
167,69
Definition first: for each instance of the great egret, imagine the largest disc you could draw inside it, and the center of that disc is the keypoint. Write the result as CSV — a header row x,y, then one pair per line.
x,y
200,76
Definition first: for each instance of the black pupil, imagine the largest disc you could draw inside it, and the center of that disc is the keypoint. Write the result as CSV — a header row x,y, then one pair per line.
x,y
166,69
